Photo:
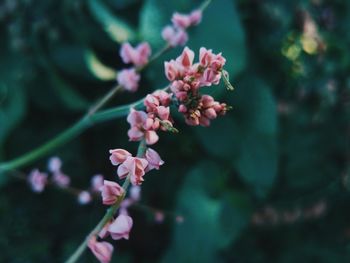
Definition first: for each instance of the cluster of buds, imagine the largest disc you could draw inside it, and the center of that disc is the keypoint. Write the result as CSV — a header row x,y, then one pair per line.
x,y
186,80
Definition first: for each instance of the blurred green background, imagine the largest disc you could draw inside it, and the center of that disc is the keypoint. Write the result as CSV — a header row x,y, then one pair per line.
x,y
269,182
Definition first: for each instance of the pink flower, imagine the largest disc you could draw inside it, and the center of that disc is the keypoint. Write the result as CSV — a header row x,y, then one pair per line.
x,y
37,180
102,250
159,217
174,36
97,182
118,156
104,231
172,70
60,179
121,227
54,164
110,192
184,21
141,127
129,79
135,167
138,56
84,197
153,158
186,58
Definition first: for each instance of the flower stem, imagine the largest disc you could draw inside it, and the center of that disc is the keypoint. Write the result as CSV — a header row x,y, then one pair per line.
x,y
109,214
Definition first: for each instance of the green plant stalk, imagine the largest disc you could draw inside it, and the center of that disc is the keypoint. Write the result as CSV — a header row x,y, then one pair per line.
x,y
109,214
69,134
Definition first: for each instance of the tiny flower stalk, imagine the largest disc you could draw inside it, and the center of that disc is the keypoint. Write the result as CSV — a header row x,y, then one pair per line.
x,y
226,78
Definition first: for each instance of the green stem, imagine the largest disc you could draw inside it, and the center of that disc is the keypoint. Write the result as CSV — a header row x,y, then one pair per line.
x,y
109,214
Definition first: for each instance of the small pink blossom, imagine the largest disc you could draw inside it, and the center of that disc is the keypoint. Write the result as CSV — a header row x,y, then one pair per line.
x,y
37,180
186,58
60,179
174,36
97,182
135,193
135,167
138,55
159,217
184,20
128,79
153,158
54,164
121,227
118,156
102,250
84,197
110,192
104,231
141,127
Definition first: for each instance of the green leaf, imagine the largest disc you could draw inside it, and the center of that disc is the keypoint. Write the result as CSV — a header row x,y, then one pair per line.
x,y
247,136
204,230
117,29
97,68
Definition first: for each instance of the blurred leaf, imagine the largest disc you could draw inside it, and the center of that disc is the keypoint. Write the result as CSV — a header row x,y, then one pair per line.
x,y
208,225
247,136
97,68
118,30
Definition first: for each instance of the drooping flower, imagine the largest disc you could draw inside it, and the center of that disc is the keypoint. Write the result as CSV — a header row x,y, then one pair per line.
x,y
134,166
138,55
37,180
110,192
118,156
121,227
153,158
128,79
102,250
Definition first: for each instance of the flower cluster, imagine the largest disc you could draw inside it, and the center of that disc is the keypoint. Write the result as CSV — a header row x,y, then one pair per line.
x,y
176,34
144,125
187,78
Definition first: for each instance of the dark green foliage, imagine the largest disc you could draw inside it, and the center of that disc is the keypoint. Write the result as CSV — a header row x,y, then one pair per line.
x,y
268,182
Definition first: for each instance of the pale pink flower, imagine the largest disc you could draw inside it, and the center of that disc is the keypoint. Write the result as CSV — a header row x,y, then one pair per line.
x,y
54,164
84,197
61,179
118,156
37,180
186,58
174,36
138,55
102,250
97,182
153,158
135,167
128,79
110,192
172,70
121,227
141,127
135,193
184,21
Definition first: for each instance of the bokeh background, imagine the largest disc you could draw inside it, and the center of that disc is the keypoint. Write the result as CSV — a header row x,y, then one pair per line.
x,y
269,182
